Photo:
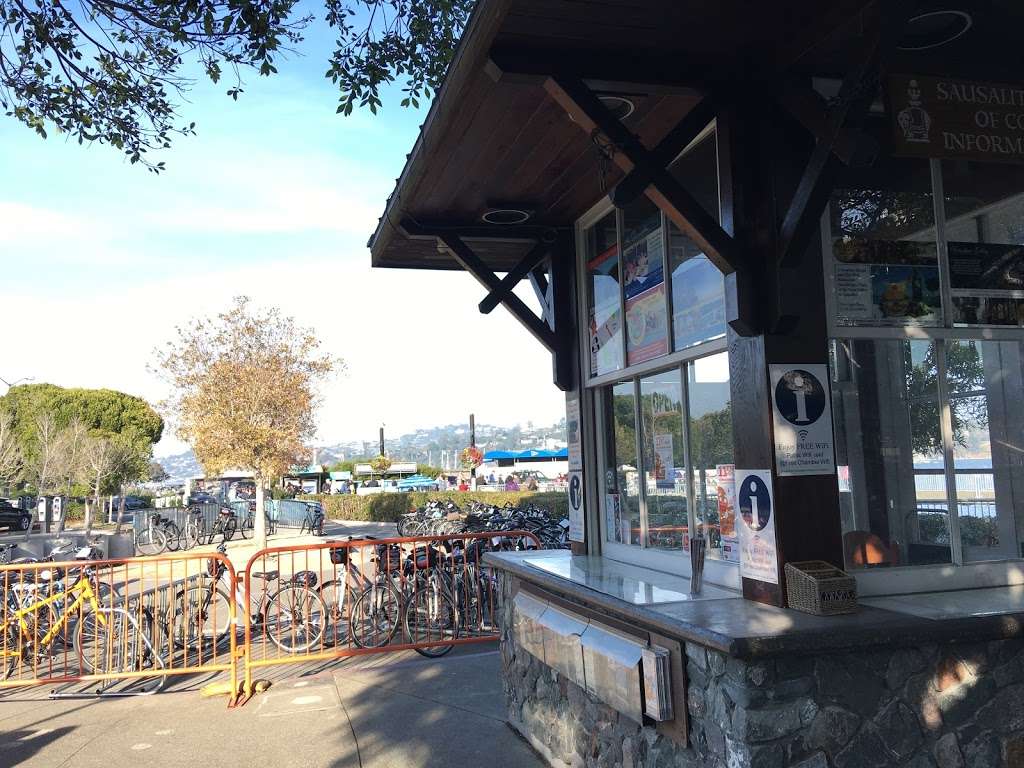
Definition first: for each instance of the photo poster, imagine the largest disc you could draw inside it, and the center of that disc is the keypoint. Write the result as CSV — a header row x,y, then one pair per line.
x,y
698,303
986,282
605,320
577,525
573,433
726,488
886,282
663,460
759,556
802,419
646,322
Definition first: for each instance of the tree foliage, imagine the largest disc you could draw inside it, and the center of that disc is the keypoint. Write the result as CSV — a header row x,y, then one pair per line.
x,y
111,71
244,391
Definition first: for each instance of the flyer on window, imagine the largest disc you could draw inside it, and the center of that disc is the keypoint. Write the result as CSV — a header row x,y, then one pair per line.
x,y
986,281
663,461
886,282
646,321
726,488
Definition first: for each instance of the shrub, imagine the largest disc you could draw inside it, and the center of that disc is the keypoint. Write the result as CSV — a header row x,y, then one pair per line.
x,y
388,507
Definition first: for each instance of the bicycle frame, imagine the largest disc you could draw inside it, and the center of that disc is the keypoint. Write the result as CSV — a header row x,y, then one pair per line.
x,y
85,594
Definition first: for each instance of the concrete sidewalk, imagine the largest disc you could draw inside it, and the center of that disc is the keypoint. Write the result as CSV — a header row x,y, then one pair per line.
x,y
380,711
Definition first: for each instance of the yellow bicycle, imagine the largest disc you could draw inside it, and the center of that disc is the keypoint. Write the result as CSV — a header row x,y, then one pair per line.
x,y
37,611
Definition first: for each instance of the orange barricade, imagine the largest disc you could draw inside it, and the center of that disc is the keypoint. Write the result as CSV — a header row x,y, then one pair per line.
x,y
342,598
112,620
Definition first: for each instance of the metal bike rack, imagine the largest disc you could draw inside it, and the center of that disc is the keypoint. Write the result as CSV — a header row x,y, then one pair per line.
x,y
105,685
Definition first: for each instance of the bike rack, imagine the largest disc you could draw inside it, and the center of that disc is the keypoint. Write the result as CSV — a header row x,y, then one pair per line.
x,y
105,685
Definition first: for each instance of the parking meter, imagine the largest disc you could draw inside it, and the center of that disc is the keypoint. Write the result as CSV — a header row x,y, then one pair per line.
x,y
58,510
44,509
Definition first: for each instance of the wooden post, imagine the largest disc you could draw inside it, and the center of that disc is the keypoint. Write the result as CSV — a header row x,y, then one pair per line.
x,y
759,172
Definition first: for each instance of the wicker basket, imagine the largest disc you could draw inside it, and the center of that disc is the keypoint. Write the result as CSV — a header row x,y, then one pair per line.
x,y
814,586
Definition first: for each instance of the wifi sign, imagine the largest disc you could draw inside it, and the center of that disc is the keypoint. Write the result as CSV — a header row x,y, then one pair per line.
x,y
802,434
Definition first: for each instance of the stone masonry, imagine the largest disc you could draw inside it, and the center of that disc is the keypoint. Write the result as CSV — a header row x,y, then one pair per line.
x,y
952,706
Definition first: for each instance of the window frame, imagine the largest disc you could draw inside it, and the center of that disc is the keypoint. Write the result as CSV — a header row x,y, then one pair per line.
x,y
959,574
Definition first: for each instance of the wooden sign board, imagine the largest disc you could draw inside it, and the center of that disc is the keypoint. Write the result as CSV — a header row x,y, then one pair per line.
x,y
945,117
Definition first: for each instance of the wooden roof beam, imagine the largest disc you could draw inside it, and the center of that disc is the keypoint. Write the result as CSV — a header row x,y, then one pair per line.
x,y
629,153
531,260
603,70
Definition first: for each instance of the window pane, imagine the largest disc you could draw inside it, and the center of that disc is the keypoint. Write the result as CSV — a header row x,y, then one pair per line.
x,y
985,385
890,453
698,288
622,503
603,300
661,401
985,237
643,265
711,455
884,254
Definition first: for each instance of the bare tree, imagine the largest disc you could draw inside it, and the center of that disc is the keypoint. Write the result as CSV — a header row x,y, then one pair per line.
x,y
100,462
10,453
71,446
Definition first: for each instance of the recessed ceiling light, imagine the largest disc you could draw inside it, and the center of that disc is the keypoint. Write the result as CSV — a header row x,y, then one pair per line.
x,y
934,29
506,215
619,106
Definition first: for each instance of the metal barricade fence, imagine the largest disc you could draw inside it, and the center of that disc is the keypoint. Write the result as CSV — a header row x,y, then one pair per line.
x,y
109,620
343,598
177,515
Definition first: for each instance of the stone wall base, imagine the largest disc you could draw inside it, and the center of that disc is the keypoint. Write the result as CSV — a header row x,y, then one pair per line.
x,y
950,706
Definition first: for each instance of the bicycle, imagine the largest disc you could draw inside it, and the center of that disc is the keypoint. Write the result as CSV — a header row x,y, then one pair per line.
x,y
151,540
29,630
225,525
292,616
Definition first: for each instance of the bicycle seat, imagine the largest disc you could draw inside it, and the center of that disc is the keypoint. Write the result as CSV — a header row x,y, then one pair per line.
x,y
268,575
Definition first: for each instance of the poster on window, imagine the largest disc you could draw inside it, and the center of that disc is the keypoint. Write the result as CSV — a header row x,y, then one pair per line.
x,y
605,315
613,516
886,282
759,558
726,488
986,281
663,461
572,432
646,321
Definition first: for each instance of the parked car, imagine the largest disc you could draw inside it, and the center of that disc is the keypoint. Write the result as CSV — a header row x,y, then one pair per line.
x,y
202,498
131,503
13,518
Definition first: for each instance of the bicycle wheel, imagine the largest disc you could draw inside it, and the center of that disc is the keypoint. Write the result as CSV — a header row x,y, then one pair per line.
x,y
150,541
335,597
11,656
247,527
111,641
200,617
295,618
173,534
230,526
192,534
375,616
430,618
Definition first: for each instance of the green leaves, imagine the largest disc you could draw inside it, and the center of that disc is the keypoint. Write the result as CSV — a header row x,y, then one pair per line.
x,y
111,74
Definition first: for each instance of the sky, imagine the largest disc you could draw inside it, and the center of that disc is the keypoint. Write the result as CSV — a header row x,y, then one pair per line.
x,y
275,198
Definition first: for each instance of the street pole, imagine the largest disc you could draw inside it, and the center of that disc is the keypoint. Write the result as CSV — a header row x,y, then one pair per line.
x,y
472,444
382,440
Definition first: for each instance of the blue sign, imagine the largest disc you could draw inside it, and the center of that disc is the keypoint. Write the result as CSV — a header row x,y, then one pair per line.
x,y
755,502
800,397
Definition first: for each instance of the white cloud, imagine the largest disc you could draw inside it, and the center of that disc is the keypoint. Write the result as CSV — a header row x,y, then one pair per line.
x,y
418,351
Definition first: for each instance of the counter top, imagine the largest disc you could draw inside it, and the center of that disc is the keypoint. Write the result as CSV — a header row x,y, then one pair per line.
x,y
723,620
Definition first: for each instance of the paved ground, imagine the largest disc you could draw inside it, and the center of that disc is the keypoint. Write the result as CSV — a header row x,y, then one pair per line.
x,y
382,711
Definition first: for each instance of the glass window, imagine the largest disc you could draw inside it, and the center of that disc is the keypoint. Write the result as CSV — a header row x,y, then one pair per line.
x,y
603,297
890,454
661,409
682,481
622,492
711,454
643,268
698,288
883,242
984,383
984,206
